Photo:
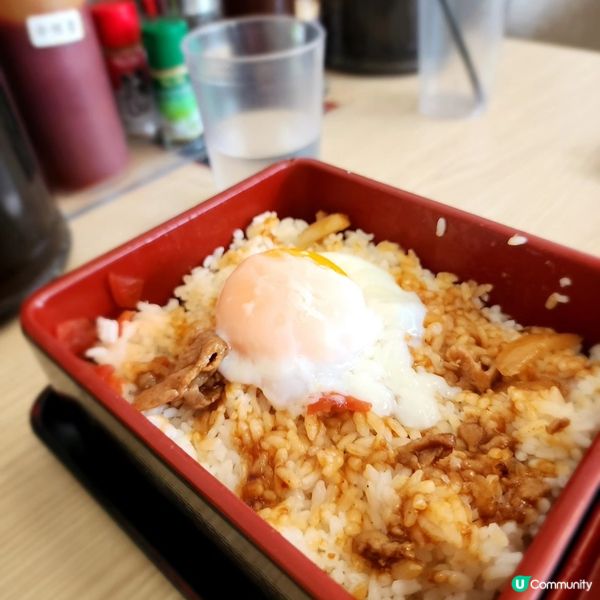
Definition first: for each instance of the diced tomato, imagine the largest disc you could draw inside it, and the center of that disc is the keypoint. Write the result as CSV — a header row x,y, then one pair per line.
x,y
126,291
77,334
124,317
107,373
335,403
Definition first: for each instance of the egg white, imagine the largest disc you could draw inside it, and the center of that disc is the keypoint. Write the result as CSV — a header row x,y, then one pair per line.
x,y
379,372
384,375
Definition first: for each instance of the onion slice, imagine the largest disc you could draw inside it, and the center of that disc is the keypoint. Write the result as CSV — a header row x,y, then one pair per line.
x,y
516,354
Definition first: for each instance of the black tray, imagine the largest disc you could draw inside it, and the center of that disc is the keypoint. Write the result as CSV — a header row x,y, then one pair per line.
x,y
176,546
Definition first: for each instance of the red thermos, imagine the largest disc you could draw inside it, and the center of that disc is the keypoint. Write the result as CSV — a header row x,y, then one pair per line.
x,y
54,67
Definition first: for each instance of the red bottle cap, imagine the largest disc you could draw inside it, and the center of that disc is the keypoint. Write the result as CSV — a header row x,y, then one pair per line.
x,y
117,24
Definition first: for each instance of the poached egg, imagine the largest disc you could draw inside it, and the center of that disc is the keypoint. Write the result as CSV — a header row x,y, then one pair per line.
x,y
303,325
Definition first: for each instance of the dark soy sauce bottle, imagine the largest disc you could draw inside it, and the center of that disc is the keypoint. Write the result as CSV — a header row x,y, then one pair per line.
x,y
34,239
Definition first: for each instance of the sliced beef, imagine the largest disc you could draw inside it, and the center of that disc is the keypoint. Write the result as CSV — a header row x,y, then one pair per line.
x,y
426,450
471,374
380,549
193,381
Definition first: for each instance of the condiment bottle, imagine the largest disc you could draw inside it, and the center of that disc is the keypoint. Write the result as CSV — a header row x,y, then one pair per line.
x,y
34,239
180,116
54,67
118,28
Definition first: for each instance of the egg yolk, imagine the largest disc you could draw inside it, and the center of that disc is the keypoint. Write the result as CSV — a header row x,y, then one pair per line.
x,y
314,256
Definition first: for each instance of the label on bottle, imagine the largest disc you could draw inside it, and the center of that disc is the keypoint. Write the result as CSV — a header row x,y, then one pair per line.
x,y
55,28
177,105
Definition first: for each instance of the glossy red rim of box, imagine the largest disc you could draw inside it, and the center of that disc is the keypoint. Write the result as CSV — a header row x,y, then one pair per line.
x,y
540,559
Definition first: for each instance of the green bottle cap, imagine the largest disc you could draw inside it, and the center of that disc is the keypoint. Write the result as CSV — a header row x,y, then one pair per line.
x,y
162,40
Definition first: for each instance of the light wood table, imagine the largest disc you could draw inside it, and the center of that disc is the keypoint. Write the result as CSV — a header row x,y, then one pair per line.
x,y
533,162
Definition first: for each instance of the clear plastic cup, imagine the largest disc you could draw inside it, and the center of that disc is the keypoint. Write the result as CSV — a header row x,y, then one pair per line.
x,y
259,84
459,42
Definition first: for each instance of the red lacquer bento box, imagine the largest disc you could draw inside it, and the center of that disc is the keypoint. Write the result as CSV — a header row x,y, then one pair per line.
x,y
523,276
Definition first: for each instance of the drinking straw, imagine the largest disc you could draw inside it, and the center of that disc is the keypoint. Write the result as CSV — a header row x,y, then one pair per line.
x,y
462,49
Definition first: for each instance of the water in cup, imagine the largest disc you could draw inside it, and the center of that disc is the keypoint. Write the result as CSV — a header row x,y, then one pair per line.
x,y
241,148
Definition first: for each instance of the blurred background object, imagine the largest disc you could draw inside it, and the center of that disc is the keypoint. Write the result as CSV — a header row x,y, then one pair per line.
x,y
459,42
177,106
34,240
573,22
118,28
195,12
565,22
236,8
376,37
568,22
54,67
